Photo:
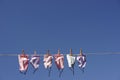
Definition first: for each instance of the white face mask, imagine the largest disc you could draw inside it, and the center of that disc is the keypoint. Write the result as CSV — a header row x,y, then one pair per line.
x,y
23,63
47,61
70,60
35,59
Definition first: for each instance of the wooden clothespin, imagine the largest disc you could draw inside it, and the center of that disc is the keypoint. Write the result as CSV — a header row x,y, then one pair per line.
x,y
59,52
70,52
23,52
48,52
81,52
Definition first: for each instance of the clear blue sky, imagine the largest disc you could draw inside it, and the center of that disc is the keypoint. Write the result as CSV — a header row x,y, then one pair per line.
x,y
93,25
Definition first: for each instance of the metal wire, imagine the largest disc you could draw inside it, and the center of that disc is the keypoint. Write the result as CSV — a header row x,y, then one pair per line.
x,y
102,53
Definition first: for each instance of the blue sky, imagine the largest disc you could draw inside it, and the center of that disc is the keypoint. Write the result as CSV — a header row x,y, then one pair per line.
x,y
92,25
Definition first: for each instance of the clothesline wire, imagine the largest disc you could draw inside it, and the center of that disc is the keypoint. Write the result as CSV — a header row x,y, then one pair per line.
x,y
100,53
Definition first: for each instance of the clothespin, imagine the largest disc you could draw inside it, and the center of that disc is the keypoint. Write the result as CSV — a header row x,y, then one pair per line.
x,y
23,52
81,52
48,52
35,53
59,52
70,52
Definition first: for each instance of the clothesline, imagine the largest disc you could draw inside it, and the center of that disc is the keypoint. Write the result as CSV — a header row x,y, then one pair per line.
x,y
100,53
34,60
24,60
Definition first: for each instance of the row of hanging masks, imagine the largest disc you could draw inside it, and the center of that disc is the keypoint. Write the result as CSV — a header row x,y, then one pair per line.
x,y
81,59
59,61
24,62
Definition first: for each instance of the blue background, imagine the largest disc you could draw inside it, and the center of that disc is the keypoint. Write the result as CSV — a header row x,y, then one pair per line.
x,y
93,25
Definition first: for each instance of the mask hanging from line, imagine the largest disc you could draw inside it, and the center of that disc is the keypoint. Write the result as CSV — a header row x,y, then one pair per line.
x,y
48,62
23,62
59,61
81,61
35,61
71,62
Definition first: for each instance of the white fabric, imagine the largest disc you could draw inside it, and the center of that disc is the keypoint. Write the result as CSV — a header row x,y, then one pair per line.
x,y
36,63
48,61
70,59
23,63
